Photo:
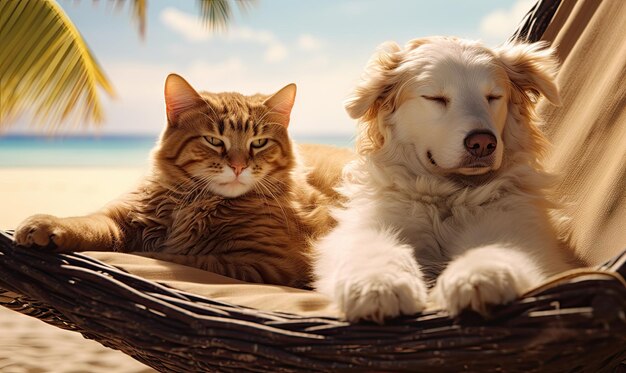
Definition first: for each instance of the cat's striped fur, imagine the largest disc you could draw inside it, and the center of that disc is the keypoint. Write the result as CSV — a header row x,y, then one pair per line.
x,y
244,211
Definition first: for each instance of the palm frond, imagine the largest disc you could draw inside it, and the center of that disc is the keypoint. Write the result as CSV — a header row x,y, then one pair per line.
x,y
217,14
138,13
46,68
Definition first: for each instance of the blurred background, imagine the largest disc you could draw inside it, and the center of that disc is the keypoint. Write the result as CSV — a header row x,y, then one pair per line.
x,y
250,46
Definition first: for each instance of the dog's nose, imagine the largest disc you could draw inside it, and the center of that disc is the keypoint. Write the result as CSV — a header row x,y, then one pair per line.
x,y
480,143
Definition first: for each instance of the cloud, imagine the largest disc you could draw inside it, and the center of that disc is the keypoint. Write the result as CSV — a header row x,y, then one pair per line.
x,y
192,30
501,23
275,52
248,34
308,42
206,75
185,24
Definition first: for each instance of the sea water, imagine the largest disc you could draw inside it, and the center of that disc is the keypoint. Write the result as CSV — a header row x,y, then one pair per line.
x,y
100,151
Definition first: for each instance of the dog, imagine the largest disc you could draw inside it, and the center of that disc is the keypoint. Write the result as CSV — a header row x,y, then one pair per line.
x,y
449,200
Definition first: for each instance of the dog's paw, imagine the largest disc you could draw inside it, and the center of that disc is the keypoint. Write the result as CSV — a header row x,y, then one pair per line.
x,y
43,231
477,286
378,296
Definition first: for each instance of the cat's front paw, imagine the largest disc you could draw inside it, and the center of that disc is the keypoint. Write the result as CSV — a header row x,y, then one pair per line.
x,y
380,295
42,230
477,286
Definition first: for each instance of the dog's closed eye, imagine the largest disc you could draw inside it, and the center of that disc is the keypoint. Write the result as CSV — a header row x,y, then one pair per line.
x,y
493,98
438,99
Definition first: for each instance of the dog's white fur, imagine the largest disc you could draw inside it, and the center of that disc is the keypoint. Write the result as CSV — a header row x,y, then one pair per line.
x,y
418,209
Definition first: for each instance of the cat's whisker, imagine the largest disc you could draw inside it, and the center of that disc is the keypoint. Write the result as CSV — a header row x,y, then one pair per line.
x,y
202,189
262,195
182,190
278,184
184,184
262,182
193,190
208,116
267,192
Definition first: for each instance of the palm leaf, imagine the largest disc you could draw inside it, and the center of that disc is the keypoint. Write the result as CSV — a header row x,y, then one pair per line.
x,y
46,68
138,9
217,14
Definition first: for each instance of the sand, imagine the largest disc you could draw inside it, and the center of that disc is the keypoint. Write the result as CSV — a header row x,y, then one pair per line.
x,y
60,191
27,344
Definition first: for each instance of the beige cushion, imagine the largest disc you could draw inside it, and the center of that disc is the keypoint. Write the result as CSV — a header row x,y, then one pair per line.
x,y
220,288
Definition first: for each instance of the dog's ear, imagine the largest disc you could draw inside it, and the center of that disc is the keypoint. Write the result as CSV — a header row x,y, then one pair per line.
x,y
376,81
532,69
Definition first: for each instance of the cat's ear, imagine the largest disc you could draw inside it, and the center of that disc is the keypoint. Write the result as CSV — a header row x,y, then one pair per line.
x,y
281,103
179,96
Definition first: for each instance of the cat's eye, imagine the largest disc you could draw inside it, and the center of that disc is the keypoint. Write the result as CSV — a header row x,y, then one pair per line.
x,y
492,98
259,143
442,100
214,141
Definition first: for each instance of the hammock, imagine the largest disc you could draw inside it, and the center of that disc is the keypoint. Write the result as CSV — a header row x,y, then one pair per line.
x,y
178,319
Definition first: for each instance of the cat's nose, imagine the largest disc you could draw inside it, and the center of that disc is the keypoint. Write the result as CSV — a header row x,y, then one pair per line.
x,y
237,167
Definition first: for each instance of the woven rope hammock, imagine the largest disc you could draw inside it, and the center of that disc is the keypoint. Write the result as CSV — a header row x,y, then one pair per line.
x,y
574,322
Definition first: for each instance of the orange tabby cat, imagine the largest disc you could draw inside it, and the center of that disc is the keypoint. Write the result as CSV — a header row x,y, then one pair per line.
x,y
225,193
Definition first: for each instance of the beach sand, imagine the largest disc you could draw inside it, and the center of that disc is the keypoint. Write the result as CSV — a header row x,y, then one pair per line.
x,y
27,344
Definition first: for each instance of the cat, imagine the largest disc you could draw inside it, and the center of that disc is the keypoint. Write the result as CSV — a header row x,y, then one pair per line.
x,y
226,193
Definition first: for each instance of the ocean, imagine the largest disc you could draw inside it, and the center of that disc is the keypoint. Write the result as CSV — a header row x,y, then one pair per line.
x,y
100,151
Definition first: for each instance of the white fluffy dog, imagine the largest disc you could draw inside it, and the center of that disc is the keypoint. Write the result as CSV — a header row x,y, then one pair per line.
x,y
449,186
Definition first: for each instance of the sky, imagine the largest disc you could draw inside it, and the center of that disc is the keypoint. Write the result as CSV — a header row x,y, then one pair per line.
x,y
320,45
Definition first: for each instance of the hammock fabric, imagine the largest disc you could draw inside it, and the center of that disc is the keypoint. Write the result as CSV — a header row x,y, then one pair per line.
x,y
573,323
